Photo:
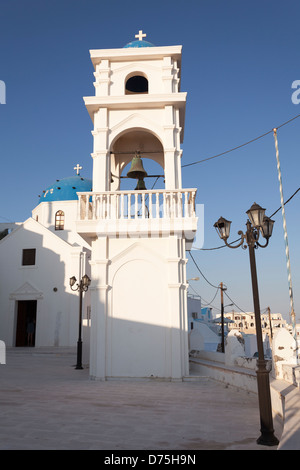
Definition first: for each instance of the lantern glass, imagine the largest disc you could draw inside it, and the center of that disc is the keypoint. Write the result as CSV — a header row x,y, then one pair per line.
x,y
72,281
267,227
86,280
223,228
256,215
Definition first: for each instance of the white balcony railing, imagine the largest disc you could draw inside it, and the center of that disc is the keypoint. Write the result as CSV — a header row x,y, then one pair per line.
x,y
148,204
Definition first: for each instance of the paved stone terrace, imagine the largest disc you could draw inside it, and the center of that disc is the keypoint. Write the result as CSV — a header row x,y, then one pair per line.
x,y
45,404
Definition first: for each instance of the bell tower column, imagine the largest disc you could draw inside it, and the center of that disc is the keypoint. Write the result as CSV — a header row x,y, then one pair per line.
x,y
138,235
100,155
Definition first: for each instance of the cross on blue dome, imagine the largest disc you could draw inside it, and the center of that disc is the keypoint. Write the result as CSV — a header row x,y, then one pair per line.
x,y
140,41
66,189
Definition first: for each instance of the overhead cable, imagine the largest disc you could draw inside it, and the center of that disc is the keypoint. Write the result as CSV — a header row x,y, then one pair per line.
x,y
240,146
272,215
216,287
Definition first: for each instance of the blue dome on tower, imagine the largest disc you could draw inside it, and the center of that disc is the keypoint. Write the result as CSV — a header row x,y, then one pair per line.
x,y
139,42
66,189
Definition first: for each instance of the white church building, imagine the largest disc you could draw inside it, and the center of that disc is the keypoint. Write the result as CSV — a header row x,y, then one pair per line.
x,y
131,242
37,258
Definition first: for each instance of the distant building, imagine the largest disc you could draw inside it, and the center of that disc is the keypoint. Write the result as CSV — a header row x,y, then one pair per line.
x,y
196,312
245,322
203,334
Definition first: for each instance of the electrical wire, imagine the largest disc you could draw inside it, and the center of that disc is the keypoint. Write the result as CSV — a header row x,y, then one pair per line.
x,y
240,146
210,303
222,246
272,215
240,309
202,298
285,203
216,287
216,248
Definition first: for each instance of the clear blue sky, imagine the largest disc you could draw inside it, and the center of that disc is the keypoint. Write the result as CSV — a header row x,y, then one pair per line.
x,y
239,61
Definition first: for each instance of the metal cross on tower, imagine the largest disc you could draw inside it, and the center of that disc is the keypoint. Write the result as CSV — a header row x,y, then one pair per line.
x,y
141,35
77,168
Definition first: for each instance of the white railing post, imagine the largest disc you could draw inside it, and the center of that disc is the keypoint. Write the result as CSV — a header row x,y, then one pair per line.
x,y
136,206
86,207
122,206
186,204
143,206
150,206
129,205
157,205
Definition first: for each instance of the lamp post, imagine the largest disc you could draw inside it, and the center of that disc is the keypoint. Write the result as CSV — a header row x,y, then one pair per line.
x,y
82,286
222,288
257,224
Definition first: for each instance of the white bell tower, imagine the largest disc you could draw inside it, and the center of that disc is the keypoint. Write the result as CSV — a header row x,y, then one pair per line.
x,y
138,236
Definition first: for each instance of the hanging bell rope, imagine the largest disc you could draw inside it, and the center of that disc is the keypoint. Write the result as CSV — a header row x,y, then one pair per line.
x,y
287,253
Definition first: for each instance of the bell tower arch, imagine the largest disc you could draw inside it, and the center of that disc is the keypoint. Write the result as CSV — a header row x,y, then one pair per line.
x,y
138,233
153,101
131,144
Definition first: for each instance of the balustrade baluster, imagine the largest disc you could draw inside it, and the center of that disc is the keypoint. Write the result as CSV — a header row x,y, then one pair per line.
x,y
143,205
86,207
157,205
164,214
93,207
172,205
136,206
150,206
129,206
122,206
186,204
179,202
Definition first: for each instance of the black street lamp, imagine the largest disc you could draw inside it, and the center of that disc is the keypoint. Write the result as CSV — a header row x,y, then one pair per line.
x,y
82,286
222,289
258,224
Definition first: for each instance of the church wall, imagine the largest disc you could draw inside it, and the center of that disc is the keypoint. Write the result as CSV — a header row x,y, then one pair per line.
x,y
45,212
47,282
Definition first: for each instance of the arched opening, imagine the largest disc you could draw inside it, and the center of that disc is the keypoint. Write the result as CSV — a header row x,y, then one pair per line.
x,y
136,84
150,149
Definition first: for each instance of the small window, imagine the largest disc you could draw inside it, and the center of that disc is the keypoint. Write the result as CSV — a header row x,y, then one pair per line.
x,y
136,84
28,257
59,220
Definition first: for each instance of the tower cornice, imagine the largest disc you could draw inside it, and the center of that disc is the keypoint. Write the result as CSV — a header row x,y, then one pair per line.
x,y
125,54
94,103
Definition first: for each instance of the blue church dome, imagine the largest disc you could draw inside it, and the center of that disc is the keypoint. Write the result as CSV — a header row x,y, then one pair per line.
x,y
66,189
139,44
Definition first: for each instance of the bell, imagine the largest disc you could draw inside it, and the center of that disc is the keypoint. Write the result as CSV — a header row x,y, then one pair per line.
x,y
137,170
140,185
